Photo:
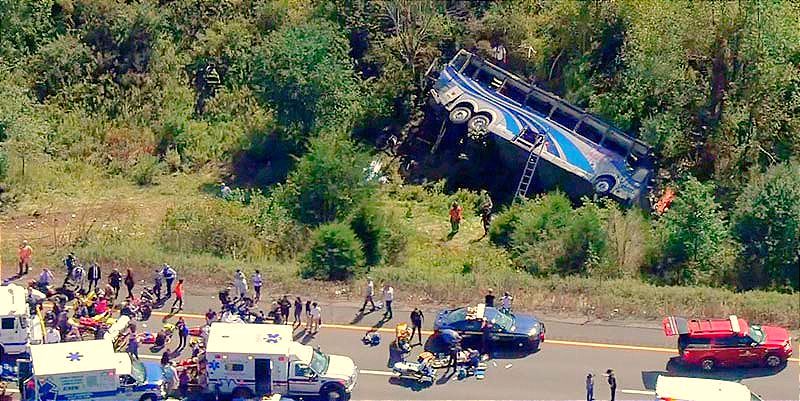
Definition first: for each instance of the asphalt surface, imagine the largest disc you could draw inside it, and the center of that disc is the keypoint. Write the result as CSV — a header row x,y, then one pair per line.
x,y
557,372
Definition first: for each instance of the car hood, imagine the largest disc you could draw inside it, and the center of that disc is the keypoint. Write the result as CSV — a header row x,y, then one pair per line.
x,y
775,335
152,372
340,367
525,324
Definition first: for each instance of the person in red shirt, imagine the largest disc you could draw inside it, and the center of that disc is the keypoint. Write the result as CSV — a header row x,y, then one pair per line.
x,y
178,297
25,253
455,218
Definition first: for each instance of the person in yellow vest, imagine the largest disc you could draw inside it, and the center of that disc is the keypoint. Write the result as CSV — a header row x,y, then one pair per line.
x,y
25,254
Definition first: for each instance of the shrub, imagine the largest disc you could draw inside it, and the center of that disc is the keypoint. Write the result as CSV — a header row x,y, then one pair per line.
x,y
335,254
211,225
3,164
585,241
173,160
145,170
382,234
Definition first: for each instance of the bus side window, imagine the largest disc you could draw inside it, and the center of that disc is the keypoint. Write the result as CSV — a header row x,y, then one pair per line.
x,y
459,61
540,105
590,132
470,70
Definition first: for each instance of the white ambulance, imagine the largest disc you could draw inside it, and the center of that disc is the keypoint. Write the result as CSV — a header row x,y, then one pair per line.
x,y
248,360
90,370
670,388
18,329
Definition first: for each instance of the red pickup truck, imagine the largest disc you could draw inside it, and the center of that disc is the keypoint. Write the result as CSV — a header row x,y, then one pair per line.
x,y
732,342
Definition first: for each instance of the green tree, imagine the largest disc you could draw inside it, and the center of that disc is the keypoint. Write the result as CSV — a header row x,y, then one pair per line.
x,y
335,253
585,241
767,223
696,243
329,180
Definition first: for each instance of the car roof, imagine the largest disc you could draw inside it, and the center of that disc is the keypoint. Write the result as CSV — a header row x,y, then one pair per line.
x,y
694,389
706,328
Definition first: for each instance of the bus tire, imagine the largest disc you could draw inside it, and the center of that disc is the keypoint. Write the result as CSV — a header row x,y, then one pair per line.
x,y
460,114
333,393
242,392
479,123
604,184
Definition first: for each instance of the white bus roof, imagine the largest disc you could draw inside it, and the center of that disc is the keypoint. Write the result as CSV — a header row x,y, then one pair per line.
x,y
258,339
73,357
13,300
691,389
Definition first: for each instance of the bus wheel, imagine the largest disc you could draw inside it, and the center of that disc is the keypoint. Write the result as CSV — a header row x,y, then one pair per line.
x,y
460,114
604,184
479,123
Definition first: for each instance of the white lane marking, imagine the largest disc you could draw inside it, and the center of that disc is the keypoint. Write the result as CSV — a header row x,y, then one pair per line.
x,y
150,357
377,372
12,390
637,392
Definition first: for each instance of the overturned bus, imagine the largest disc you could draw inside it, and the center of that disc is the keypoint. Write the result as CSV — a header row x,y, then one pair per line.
x,y
534,125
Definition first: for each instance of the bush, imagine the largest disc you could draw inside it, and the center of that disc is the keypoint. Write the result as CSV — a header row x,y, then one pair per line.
x,y
214,226
3,165
335,254
382,234
585,241
146,170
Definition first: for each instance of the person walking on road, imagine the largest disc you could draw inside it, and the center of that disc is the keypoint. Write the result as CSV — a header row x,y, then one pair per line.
x,y
308,315
129,283
183,333
416,324
69,264
368,295
612,383
316,317
178,298
590,387
169,277
298,312
488,300
114,280
456,214
240,282
94,276
25,254
285,307
165,358
388,297
78,274
257,282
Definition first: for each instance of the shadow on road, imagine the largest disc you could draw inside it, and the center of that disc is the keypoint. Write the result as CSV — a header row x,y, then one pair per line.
x,y
676,368
412,385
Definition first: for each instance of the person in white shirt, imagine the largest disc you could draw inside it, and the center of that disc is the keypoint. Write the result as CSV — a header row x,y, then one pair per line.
x,y
45,278
368,294
505,305
316,317
256,279
240,282
388,297
52,336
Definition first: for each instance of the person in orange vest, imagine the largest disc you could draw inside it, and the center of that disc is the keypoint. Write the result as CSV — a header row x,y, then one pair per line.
x,y
25,254
456,212
178,297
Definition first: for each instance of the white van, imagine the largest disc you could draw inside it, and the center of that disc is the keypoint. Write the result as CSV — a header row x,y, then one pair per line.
x,y
670,388
91,370
248,360
18,329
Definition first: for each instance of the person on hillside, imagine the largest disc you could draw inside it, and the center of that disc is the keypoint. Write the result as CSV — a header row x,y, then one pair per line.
x,y
94,276
158,277
488,300
240,282
114,280
369,293
456,214
178,297
257,282
129,283
25,254
388,298
169,276
486,214
416,324
298,312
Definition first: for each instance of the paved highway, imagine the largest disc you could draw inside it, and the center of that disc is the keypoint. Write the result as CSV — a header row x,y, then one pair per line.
x,y
556,372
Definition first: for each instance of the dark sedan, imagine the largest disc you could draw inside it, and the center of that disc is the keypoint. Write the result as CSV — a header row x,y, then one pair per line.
x,y
499,327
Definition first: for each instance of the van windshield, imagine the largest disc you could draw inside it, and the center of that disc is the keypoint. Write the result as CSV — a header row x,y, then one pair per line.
x,y
319,362
137,370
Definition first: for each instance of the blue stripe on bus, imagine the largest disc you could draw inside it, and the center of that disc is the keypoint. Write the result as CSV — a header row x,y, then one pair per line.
x,y
573,155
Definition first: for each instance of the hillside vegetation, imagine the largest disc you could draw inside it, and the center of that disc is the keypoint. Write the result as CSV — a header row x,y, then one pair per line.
x,y
119,119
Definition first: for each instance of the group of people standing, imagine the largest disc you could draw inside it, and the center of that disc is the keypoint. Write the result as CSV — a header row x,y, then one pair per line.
x,y
505,301
457,215
369,298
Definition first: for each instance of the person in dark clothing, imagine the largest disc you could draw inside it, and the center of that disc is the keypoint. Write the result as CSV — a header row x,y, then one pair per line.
x,y
286,306
183,333
129,282
165,358
612,383
453,363
298,312
69,263
486,332
489,298
169,275
416,323
94,276
114,280
590,387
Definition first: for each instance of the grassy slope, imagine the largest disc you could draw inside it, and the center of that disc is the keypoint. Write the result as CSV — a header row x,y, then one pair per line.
x,y
120,221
